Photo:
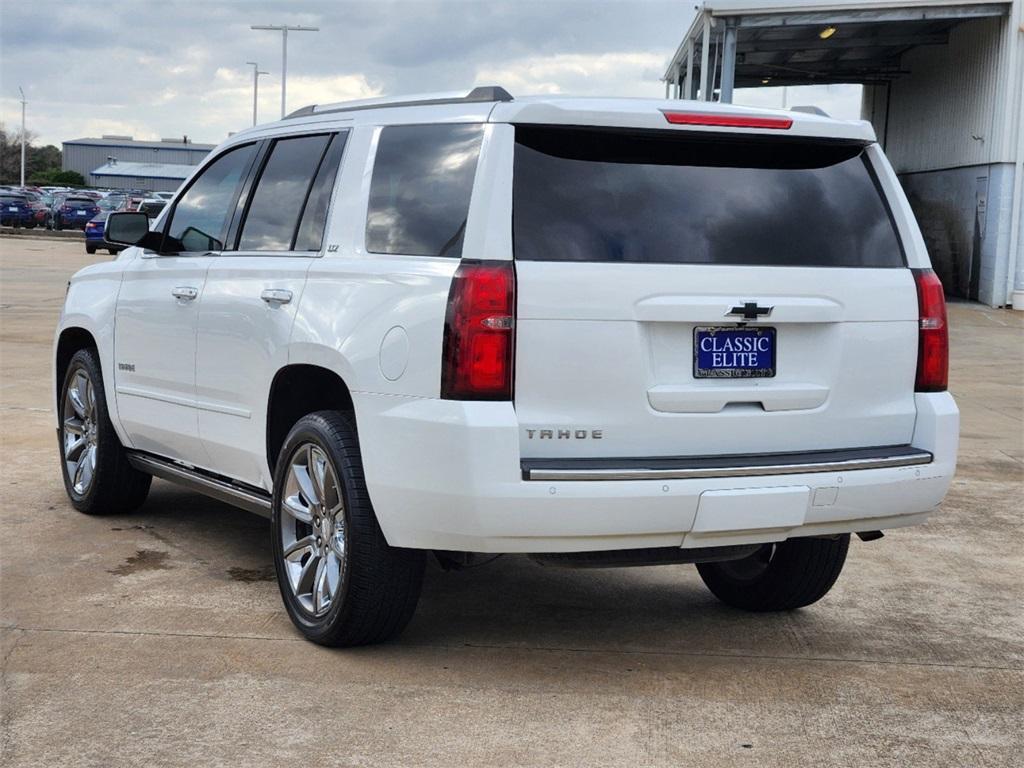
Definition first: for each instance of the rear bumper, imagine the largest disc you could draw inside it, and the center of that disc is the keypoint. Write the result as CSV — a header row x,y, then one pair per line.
x,y
447,475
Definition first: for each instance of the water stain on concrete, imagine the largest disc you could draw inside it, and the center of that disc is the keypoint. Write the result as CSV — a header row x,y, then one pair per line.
x,y
265,573
143,560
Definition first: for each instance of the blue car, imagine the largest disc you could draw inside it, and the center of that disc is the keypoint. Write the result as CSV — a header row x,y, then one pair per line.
x,y
75,212
94,235
16,211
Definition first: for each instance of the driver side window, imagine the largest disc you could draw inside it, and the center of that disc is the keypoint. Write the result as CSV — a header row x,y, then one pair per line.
x,y
202,215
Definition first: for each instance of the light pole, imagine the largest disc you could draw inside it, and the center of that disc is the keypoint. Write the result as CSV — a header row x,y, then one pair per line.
x,y
22,136
256,72
284,29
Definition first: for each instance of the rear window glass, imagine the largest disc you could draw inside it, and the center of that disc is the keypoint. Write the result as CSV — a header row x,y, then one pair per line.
x,y
420,191
648,197
281,193
12,199
81,201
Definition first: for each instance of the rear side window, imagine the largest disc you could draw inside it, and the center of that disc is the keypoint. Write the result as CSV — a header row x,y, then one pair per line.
x,y
281,192
420,190
607,196
314,217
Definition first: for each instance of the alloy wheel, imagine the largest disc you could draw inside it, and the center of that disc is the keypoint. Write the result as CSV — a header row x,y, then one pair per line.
x,y
80,432
313,543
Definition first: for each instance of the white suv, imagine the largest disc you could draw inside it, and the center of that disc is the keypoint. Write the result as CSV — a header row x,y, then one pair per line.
x,y
598,331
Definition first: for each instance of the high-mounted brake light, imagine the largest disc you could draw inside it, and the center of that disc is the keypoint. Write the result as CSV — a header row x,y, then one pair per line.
x,y
479,333
728,121
933,333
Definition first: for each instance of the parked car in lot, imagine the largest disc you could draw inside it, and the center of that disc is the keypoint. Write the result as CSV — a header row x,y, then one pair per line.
x,y
601,332
94,240
16,210
73,212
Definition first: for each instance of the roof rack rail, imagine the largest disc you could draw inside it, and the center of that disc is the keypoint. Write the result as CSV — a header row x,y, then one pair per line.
x,y
810,110
480,94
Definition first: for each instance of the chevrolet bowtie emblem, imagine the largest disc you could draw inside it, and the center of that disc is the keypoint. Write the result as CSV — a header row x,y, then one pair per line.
x,y
749,311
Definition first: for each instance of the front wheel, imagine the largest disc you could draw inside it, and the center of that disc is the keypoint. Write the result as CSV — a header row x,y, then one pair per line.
x,y
97,476
341,583
778,577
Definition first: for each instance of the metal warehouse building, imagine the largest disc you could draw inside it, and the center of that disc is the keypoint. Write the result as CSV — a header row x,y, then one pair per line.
x,y
943,85
119,162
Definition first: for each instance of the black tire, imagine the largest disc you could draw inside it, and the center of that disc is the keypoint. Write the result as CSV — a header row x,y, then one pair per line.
x,y
778,577
113,251
115,486
379,585
90,249
58,225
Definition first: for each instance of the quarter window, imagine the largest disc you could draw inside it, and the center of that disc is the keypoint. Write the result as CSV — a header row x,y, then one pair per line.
x,y
281,193
420,190
314,217
200,219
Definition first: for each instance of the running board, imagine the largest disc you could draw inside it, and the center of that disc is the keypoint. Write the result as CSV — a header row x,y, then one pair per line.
x,y
685,468
242,496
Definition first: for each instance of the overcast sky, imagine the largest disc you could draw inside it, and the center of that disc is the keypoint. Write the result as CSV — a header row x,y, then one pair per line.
x,y
176,67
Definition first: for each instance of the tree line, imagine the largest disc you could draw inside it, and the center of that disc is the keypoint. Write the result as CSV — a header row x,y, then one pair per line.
x,y
42,164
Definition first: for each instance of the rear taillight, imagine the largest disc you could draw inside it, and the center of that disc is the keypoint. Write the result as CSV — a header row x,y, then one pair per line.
x,y
932,335
479,333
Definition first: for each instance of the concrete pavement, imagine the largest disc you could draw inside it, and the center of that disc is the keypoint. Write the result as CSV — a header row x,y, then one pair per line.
x,y
158,638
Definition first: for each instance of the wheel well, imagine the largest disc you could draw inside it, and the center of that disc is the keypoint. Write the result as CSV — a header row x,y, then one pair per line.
x,y
71,340
296,391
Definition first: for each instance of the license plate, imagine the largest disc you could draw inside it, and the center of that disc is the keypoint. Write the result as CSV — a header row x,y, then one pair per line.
x,y
13,209
727,352
80,213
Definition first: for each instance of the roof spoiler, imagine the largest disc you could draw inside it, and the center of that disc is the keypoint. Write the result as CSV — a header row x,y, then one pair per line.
x,y
480,94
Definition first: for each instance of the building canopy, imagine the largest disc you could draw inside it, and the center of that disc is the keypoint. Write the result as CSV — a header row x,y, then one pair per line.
x,y
744,43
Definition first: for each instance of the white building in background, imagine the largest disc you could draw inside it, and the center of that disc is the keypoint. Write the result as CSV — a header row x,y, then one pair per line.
x,y
943,85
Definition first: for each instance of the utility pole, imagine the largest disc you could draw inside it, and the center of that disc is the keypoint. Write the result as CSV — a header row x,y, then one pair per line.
x,y
256,72
284,29
22,136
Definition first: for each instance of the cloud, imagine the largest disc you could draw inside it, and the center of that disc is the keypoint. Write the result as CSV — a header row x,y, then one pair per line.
x,y
178,66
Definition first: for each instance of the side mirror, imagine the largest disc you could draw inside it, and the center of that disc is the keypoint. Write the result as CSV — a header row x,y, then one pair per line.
x,y
126,228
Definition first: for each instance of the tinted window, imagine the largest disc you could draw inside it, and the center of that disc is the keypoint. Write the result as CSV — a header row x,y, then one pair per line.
x,y
314,217
419,194
12,199
86,201
281,194
200,219
586,195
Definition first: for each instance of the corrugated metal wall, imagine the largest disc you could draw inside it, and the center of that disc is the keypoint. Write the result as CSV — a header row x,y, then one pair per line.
x,y
87,158
135,182
948,111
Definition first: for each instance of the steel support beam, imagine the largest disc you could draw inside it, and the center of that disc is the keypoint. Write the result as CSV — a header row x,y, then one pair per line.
x,y
728,64
705,54
882,15
689,81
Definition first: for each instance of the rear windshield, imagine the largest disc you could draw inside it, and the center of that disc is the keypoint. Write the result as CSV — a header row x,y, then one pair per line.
x,y
12,199
87,202
648,197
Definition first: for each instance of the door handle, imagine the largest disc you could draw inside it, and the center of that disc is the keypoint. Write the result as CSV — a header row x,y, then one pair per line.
x,y
276,296
185,293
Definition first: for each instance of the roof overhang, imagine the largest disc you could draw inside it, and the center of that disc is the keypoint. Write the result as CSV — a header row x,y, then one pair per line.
x,y
785,43
174,171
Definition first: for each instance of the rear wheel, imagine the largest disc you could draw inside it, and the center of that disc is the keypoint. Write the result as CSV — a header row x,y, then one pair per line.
x,y
97,476
90,249
778,577
341,583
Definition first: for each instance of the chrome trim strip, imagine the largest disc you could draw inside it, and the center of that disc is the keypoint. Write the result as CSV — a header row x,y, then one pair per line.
x,y
252,500
684,473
